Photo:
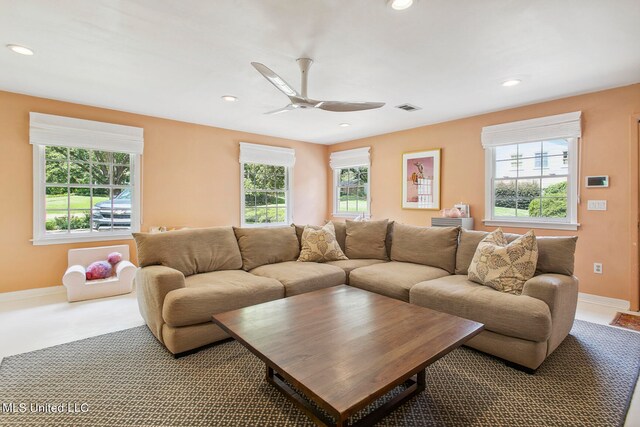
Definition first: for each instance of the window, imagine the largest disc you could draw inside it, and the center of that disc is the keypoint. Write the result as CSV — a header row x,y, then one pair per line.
x,y
533,182
352,190
84,190
265,194
265,183
351,171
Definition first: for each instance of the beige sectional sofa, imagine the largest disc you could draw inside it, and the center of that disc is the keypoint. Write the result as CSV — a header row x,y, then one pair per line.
x,y
187,276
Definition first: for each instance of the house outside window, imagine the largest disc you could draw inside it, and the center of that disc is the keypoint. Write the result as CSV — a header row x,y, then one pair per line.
x,y
266,175
86,179
351,177
540,189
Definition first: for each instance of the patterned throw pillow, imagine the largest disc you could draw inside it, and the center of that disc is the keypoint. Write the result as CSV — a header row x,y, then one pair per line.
x,y
320,244
504,266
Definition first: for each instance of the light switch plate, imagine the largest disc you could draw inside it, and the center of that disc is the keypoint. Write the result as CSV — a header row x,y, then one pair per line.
x,y
596,205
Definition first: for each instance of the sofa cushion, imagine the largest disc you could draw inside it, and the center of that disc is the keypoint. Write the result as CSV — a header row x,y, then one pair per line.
x,y
433,246
190,251
341,234
468,241
366,239
348,265
320,245
301,277
216,292
299,231
555,254
504,266
393,279
517,316
267,245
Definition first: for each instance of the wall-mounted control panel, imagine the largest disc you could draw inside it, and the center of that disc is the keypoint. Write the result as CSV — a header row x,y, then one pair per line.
x,y
599,181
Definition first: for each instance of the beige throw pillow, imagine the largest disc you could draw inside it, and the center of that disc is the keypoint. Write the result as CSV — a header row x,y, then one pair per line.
x,y
504,266
320,245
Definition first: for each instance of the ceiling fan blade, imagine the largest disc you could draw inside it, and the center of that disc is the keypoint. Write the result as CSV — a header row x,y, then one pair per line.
x,y
275,79
340,107
281,110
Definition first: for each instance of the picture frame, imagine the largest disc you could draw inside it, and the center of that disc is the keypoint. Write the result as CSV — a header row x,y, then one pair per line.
x,y
421,179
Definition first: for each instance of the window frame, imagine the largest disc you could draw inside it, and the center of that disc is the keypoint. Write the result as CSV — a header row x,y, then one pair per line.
x,y
336,194
288,179
573,183
40,235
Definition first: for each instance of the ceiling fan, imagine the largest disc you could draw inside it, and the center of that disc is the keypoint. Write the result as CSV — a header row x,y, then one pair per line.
x,y
300,100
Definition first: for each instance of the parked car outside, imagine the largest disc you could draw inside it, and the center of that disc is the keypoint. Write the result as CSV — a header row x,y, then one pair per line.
x,y
102,212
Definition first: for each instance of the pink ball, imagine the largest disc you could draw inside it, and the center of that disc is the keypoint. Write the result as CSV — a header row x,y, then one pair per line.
x,y
114,258
99,270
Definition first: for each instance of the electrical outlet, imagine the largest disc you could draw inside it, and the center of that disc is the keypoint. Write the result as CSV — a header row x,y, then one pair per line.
x,y
597,267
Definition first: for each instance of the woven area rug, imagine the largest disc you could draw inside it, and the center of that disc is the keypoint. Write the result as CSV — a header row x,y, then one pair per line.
x,y
128,379
628,321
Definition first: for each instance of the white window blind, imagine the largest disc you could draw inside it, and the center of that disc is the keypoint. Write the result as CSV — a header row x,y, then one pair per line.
x,y
267,155
350,158
50,130
566,125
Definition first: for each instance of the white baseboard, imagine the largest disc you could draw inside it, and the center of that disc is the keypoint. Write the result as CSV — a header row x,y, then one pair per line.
x,y
32,293
620,304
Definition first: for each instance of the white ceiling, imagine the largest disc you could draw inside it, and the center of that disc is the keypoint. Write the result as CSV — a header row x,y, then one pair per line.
x,y
175,59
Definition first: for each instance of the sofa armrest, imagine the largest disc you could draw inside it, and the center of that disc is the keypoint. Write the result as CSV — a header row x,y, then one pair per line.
x,y
74,276
560,293
153,283
125,271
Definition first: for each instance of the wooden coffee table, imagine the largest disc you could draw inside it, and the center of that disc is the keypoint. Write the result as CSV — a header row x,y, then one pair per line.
x,y
343,348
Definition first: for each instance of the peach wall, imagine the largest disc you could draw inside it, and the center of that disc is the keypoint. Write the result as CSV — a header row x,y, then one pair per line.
x,y
191,177
607,142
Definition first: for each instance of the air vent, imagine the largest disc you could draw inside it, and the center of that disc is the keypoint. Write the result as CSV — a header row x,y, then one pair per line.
x,y
407,107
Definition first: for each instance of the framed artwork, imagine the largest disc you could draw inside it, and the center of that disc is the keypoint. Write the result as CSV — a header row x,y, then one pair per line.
x,y
421,180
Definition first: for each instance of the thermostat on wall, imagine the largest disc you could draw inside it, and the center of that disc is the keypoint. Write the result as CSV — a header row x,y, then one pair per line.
x,y
599,181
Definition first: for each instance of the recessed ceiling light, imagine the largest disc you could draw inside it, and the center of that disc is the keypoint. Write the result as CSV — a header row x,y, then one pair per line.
x,y
400,4
344,125
511,82
22,50
229,98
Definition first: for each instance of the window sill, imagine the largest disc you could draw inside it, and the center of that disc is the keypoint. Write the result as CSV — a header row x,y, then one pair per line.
x,y
266,225
79,239
349,215
532,224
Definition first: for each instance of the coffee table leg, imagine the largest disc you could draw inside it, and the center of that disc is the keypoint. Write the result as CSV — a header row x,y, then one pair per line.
x,y
279,383
414,387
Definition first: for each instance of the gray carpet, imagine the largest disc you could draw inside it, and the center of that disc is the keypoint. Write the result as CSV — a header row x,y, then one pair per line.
x,y
128,379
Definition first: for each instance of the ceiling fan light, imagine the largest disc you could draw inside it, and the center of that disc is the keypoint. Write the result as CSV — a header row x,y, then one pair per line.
x,y
400,4
22,50
511,82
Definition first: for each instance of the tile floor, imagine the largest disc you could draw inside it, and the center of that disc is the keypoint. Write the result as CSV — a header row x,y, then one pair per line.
x,y
34,323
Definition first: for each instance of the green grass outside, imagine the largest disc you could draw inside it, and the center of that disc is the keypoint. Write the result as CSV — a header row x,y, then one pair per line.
x,y
498,211
77,202
362,206
251,217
